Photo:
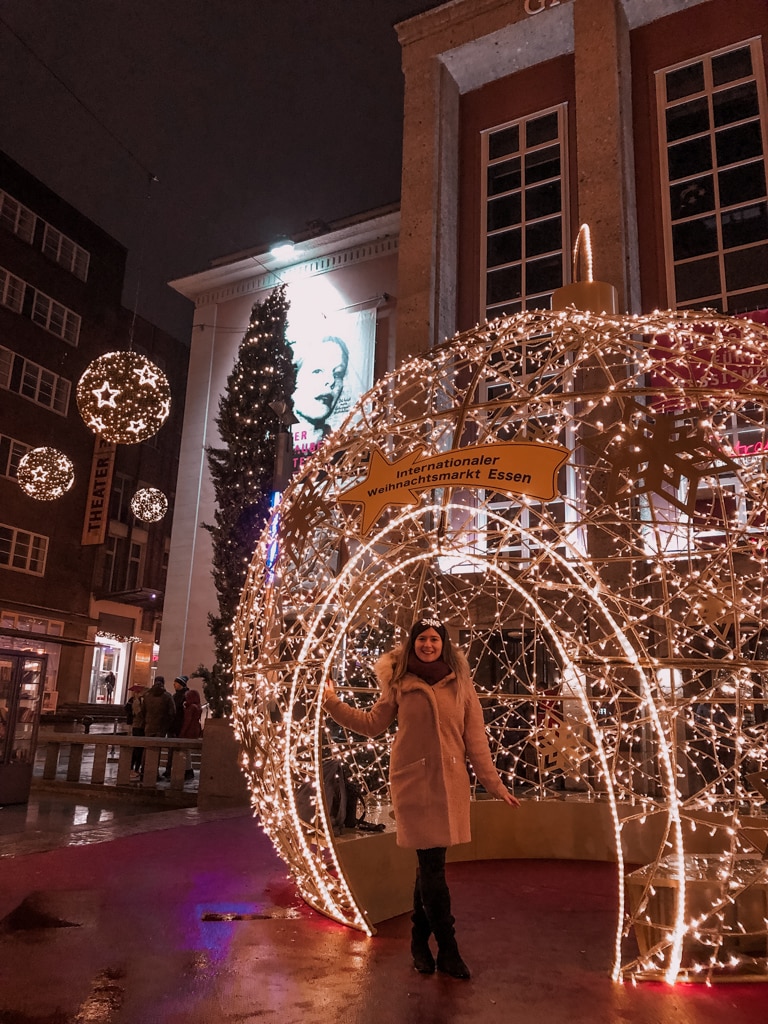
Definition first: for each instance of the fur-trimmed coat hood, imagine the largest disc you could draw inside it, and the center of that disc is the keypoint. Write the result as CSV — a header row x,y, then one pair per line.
x,y
439,728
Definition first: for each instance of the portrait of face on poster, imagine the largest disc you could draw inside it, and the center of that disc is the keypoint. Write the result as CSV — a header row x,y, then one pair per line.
x,y
334,367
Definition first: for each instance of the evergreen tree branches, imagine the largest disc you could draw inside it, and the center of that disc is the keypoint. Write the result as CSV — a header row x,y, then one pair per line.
x,y
242,469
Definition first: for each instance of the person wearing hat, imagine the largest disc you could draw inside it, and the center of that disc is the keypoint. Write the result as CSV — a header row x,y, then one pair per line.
x,y
134,716
191,729
426,685
181,689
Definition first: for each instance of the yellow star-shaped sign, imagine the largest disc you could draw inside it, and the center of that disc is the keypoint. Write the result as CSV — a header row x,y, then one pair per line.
x,y
374,493
513,467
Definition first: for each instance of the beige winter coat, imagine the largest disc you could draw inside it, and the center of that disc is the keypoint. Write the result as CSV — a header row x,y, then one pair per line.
x,y
436,734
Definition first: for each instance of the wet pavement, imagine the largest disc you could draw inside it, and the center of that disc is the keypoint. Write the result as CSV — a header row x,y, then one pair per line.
x,y
112,915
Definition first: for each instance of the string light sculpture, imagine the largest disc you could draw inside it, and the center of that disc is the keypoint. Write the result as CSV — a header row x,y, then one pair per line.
x,y
618,632
45,474
149,504
123,397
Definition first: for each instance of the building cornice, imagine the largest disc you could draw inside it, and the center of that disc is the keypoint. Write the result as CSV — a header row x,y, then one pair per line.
x,y
480,41
257,271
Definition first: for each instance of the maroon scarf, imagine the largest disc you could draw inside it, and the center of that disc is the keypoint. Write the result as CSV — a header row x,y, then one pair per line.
x,y
430,671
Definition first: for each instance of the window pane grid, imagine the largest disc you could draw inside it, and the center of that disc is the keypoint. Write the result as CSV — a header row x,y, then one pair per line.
x,y
34,382
45,312
524,214
22,551
11,454
65,252
21,221
53,317
11,290
17,218
510,529
712,119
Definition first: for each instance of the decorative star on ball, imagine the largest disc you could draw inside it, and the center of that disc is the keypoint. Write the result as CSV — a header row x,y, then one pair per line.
x,y
106,395
147,375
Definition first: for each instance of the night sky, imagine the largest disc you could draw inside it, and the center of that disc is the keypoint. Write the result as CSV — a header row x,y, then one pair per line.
x,y
257,118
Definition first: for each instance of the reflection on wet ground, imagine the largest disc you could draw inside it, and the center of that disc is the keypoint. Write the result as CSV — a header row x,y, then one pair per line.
x,y
52,813
50,821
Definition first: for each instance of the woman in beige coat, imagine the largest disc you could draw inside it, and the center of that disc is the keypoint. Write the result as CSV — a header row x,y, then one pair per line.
x,y
426,685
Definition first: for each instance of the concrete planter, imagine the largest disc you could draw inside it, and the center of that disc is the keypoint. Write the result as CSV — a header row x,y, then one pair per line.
x,y
222,783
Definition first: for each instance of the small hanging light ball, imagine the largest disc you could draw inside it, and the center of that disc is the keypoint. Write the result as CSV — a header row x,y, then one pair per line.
x,y
45,474
149,504
124,397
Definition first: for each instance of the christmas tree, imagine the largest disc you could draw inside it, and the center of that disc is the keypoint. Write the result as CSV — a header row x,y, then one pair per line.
x,y
243,469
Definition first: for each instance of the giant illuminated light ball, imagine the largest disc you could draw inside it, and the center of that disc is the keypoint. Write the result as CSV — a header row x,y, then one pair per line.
x,y
149,504
45,474
124,397
617,630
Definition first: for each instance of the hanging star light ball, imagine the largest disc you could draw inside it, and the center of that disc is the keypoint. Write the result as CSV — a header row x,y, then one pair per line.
x,y
45,474
123,397
149,504
625,613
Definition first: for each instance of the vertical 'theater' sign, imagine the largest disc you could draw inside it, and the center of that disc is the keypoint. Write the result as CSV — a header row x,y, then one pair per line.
x,y
100,484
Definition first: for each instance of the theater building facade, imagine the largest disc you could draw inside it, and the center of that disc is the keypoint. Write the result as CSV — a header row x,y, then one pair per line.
x,y
523,119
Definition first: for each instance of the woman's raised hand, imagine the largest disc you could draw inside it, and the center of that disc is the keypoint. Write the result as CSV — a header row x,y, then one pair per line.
x,y
330,689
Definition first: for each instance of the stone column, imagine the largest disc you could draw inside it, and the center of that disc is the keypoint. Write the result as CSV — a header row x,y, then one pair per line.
x,y
429,210
605,155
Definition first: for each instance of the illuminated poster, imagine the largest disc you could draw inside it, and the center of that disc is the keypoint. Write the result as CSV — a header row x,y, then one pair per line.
x,y
334,367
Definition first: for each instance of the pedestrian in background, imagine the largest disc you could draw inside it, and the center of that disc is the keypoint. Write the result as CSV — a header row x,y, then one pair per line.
x,y
134,716
191,728
181,689
159,709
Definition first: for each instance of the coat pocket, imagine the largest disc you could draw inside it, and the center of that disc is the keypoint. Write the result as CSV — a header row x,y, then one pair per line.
x,y
410,790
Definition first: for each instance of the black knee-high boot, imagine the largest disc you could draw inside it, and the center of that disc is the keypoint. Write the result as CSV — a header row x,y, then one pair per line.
x,y
436,900
423,960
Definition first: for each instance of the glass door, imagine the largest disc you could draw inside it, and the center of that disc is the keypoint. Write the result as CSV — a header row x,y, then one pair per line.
x,y
22,681
7,702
